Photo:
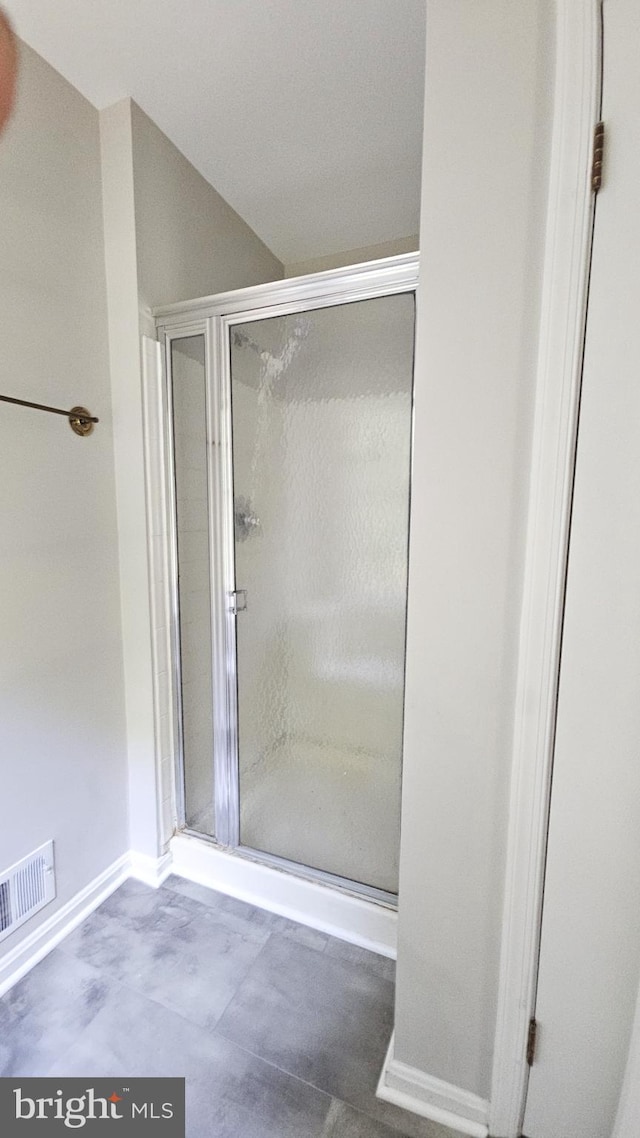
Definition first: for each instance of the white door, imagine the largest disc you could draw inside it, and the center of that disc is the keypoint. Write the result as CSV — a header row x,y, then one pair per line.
x,y
590,948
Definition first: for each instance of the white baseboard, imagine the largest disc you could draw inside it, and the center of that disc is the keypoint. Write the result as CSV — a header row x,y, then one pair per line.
x,y
341,914
150,870
331,910
432,1098
18,961
30,951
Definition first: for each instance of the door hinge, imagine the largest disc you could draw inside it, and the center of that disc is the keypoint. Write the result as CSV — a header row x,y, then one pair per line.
x,y
598,154
531,1042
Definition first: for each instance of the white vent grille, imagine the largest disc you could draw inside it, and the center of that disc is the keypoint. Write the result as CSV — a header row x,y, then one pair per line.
x,y
25,888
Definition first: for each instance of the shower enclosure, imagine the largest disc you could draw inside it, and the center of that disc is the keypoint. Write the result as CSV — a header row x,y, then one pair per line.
x,y
289,409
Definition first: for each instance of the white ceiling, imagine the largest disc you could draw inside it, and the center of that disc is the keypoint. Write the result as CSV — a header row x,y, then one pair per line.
x,y
306,115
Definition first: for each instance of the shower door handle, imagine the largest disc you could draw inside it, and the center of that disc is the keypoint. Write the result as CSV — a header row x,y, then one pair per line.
x,y
238,598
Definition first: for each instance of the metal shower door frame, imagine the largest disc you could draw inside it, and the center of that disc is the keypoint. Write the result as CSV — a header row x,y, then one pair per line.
x,y
215,316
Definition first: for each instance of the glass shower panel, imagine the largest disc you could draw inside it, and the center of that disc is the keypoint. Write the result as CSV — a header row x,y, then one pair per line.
x,y
188,389
321,461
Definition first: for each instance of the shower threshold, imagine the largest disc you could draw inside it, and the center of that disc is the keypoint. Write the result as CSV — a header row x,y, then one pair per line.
x,y
358,914
285,865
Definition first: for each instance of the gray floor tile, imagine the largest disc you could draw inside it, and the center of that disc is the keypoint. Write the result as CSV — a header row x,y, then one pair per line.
x,y
140,988
189,958
302,934
410,1125
138,906
246,1098
292,930
345,1122
323,1019
381,965
212,899
270,922
229,1093
45,1011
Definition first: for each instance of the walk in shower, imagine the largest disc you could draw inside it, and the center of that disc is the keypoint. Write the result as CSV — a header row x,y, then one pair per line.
x,y
289,410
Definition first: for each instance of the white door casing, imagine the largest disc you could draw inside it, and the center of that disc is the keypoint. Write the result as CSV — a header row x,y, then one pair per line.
x,y
563,310
590,946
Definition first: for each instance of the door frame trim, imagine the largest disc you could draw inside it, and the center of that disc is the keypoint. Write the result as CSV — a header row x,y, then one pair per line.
x,y
567,260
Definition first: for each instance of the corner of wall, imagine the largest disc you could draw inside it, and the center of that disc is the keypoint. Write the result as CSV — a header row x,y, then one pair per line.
x,y
126,379
477,319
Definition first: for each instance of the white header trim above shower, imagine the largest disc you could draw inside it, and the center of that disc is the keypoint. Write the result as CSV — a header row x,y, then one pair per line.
x,y
333,286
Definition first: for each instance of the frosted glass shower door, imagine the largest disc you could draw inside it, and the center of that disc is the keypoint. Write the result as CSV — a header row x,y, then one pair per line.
x,y
321,429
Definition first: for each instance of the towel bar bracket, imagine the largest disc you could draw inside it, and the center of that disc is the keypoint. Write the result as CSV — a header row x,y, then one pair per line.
x,y
81,421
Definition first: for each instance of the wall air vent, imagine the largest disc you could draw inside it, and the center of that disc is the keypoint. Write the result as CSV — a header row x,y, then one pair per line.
x,y
25,888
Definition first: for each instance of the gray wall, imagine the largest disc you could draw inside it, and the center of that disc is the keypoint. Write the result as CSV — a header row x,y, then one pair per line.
x,y
487,122
190,243
354,256
168,236
62,735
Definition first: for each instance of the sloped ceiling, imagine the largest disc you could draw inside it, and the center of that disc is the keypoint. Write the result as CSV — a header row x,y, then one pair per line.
x,y
306,115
